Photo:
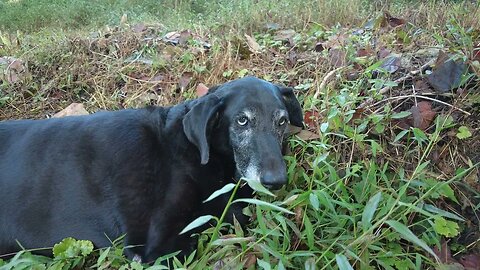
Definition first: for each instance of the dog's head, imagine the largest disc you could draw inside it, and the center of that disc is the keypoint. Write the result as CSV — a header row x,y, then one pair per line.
x,y
246,119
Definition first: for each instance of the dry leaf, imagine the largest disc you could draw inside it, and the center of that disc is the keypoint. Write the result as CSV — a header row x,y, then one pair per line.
x,y
337,57
310,118
249,261
393,22
422,115
139,28
72,109
185,80
202,89
184,36
471,262
252,44
447,74
444,253
12,69
391,63
307,135
319,47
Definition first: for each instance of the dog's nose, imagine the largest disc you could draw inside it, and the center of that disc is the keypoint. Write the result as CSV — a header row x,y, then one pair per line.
x,y
273,181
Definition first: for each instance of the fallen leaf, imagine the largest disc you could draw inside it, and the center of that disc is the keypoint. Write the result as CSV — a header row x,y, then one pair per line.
x,y
383,52
139,28
307,135
319,47
171,37
272,26
284,34
447,73
444,253
358,114
471,262
310,118
392,21
185,80
249,261
12,69
72,109
476,53
252,44
421,86
292,57
298,216
202,89
184,36
219,265
292,130
123,19
364,52
422,115
337,57
156,78
391,63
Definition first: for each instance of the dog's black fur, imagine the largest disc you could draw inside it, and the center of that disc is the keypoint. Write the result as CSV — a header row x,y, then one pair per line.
x,y
143,173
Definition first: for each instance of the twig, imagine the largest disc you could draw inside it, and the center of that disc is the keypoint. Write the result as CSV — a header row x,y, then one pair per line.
x,y
423,97
326,80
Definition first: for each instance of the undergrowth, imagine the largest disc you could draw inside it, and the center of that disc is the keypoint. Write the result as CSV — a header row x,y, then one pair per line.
x,y
385,174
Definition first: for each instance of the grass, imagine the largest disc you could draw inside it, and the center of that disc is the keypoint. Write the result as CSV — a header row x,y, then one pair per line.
x,y
365,193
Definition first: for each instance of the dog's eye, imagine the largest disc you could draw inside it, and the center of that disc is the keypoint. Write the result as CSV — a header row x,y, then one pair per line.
x,y
242,121
282,121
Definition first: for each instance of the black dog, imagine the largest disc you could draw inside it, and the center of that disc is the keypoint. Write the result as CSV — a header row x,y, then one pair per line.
x,y
141,173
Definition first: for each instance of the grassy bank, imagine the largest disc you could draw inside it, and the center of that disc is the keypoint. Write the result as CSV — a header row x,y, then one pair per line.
x,y
386,174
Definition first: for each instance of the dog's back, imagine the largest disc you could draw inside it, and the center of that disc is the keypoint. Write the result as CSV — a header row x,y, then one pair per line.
x,y
60,171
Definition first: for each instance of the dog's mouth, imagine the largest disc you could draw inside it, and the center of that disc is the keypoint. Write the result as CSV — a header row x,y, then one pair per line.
x,y
273,186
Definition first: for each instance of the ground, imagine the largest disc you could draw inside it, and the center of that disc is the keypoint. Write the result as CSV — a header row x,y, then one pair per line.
x,y
385,174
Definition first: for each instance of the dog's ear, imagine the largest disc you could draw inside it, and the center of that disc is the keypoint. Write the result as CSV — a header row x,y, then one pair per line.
x,y
293,106
197,122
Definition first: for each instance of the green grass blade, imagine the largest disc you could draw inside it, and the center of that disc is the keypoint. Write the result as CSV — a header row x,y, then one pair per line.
x,y
408,235
266,204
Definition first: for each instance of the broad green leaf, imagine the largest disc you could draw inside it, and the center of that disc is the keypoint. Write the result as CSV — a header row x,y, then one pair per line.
x,y
400,135
225,189
408,235
463,133
136,266
324,127
419,135
70,248
401,115
314,201
197,223
265,265
103,256
310,264
445,227
441,212
370,209
257,186
342,262
309,232
266,204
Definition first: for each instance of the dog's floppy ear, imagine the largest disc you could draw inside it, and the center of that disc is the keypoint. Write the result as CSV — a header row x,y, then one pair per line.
x,y
196,123
293,106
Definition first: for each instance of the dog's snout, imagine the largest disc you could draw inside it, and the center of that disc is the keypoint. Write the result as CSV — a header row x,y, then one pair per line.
x,y
273,180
